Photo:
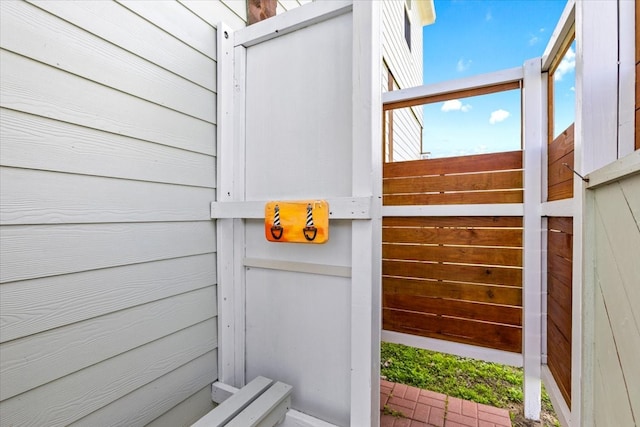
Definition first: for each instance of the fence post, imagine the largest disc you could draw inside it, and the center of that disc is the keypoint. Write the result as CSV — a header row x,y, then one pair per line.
x,y
534,133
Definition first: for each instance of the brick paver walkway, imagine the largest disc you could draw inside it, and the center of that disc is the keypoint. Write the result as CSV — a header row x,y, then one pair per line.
x,y
406,406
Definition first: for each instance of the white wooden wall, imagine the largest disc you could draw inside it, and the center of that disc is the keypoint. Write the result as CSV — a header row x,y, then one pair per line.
x,y
613,242
107,258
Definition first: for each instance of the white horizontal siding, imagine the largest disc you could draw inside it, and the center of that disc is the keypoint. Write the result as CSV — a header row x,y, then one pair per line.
x,y
186,412
107,252
406,67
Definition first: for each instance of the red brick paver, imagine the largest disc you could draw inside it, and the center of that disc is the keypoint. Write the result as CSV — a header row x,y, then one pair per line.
x,y
413,407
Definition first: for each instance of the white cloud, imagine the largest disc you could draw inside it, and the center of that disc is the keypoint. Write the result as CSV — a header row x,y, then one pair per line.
x,y
454,105
498,116
533,40
567,65
572,88
488,16
463,65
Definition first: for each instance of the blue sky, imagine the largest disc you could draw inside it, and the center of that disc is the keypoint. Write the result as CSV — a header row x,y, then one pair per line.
x,y
473,37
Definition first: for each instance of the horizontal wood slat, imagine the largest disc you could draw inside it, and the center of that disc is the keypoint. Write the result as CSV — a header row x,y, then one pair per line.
x,y
475,222
454,254
453,308
454,272
559,300
511,160
460,198
479,179
493,294
497,336
453,236
559,165
464,182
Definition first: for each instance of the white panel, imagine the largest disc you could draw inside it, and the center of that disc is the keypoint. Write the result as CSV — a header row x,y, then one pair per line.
x,y
71,248
296,336
114,23
32,306
27,86
36,34
37,197
39,143
189,410
532,233
35,360
337,251
178,21
313,136
72,397
596,85
144,404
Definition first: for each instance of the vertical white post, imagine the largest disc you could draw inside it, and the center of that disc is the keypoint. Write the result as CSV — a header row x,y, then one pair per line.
x,y
224,182
627,74
366,234
534,137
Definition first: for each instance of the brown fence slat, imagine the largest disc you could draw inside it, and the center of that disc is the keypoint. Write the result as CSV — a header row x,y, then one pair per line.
x,y
560,317
456,254
561,191
560,268
560,223
559,360
560,244
454,272
558,172
495,294
454,308
467,182
453,236
485,334
511,160
559,291
562,145
472,197
453,221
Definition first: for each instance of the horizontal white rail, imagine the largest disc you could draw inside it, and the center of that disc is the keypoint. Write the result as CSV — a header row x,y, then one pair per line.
x,y
339,208
560,33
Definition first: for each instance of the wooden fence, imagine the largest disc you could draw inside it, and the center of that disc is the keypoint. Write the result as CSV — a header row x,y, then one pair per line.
x,y
560,177
454,278
559,284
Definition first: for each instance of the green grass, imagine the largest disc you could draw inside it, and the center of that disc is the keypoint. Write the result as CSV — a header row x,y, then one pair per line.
x,y
482,382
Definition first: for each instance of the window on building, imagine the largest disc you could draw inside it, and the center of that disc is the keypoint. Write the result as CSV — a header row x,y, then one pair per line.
x,y
407,28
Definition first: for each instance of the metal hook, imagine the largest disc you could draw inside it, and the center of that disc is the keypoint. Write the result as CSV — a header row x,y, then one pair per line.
x,y
573,170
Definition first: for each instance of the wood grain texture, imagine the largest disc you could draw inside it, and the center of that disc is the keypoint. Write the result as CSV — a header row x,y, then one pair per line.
x,y
493,294
36,360
454,272
72,397
559,176
41,143
558,351
497,336
190,398
467,182
27,88
37,197
511,160
454,254
461,198
38,35
116,24
476,222
452,236
31,306
73,248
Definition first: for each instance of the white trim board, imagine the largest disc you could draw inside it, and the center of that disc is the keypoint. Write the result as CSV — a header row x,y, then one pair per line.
x,y
291,21
451,86
566,21
299,267
457,349
559,405
339,208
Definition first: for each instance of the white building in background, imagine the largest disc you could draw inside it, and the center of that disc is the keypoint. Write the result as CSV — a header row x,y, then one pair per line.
x,y
402,23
